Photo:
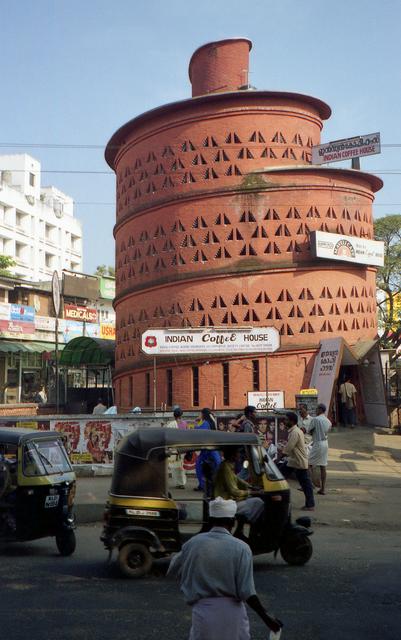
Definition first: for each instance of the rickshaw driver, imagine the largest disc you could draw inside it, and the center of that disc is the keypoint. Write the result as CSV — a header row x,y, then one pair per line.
x,y
229,486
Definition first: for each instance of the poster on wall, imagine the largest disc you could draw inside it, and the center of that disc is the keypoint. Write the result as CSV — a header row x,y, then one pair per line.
x,y
89,441
334,246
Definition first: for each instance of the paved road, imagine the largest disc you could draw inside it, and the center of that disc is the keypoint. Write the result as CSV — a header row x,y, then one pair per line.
x,y
352,583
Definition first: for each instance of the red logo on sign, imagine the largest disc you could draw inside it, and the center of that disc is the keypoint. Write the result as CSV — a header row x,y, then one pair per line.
x,y
150,341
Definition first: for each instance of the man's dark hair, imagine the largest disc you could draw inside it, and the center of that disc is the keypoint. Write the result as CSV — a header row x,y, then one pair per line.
x,y
177,412
321,408
290,415
249,410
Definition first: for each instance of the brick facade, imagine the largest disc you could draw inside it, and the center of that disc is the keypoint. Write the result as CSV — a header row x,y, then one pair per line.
x,y
216,198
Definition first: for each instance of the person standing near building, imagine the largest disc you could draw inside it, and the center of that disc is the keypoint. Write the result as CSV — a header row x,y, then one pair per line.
x,y
297,462
249,424
176,461
100,407
319,428
216,577
347,393
212,458
304,421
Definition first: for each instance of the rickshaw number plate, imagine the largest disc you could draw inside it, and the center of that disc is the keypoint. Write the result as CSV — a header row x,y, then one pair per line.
x,y
51,501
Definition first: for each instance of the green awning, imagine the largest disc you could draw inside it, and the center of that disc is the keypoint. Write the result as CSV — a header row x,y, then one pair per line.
x,y
88,351
12,346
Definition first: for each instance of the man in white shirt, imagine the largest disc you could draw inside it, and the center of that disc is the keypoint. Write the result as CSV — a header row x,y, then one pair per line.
x,y
216,577
319,428
100,407
347,393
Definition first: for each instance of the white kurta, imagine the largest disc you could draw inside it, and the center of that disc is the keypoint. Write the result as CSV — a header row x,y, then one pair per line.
x,y
219,619
318,454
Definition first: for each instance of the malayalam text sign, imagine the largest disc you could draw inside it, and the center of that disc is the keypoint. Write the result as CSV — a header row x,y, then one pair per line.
x,y
346,149
212,341
334,246
326,368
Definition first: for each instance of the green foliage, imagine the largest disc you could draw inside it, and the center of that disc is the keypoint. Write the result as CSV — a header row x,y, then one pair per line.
x,y
388,229
104,270
5,263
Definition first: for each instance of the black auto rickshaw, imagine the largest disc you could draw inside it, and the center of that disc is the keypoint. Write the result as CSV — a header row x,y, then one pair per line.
x,y
143,520
37,488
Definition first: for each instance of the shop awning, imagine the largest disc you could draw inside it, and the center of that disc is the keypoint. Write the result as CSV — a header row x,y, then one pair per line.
x,y
88,351
12,346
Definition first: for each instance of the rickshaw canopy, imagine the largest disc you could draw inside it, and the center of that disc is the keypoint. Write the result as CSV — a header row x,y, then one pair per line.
x,y
13,435
141,442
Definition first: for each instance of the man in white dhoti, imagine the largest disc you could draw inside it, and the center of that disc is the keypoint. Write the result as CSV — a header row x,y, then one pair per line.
x,y
216,578
318,454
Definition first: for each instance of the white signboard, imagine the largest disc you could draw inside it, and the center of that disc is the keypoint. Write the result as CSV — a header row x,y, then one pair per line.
x,y
213,341
346,149
347,248
326,368
258,399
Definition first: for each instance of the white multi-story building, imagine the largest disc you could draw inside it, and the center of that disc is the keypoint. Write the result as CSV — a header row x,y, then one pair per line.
x,y
37,225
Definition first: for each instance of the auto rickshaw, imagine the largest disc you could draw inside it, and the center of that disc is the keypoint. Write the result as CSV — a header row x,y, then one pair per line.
x,y
37,488
144,521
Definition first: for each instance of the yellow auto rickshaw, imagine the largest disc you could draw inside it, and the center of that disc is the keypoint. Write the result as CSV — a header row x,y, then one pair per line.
x,y
144,521
37,488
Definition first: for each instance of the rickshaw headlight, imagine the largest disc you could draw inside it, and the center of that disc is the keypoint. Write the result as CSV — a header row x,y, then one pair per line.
x,y
143,512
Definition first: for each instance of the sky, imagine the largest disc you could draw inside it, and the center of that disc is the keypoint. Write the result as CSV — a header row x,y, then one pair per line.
x,y
74,71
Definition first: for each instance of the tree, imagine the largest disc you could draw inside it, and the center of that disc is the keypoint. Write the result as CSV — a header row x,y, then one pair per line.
x,y
388,229
5,263
103,270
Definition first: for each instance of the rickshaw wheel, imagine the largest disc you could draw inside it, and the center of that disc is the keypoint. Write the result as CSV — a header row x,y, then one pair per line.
x,y
66,542
296,550
134,560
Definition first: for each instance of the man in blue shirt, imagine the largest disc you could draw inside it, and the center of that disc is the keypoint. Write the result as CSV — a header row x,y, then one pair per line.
x,y
216,577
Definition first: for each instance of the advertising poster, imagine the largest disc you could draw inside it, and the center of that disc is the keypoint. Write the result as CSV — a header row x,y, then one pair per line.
x,y
71,429
97,435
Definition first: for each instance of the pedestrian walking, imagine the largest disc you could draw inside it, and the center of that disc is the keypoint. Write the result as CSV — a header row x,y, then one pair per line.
x,y
318,454
347,393
297,461
212,458
176,461
216,577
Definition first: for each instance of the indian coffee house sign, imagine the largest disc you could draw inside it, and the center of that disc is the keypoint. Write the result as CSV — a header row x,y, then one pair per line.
x,y
346,149
258,399
334,246
210,341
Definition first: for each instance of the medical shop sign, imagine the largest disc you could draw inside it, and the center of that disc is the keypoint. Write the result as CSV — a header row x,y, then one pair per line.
x,y
79,314
366,145
210,341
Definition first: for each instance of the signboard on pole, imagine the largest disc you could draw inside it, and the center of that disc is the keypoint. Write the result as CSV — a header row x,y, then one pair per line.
x,y
334,246
215,341
56,293
258,399
80,314
326,368
346,149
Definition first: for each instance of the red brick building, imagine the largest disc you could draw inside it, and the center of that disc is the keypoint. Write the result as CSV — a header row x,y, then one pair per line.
x,y
216,198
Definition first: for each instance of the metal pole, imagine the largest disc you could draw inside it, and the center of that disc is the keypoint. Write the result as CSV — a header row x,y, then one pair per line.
x,y
57,384
267,383
154,385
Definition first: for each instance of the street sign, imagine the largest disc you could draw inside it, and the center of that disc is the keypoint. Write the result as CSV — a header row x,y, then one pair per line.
x,y
346,149
335,246
56,294
258,399
212,340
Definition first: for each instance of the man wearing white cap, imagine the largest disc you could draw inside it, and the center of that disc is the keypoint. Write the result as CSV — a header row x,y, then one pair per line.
x,y
216,577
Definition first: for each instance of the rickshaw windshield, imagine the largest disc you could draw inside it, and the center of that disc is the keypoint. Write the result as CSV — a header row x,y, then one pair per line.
x,y
44,457
271,469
